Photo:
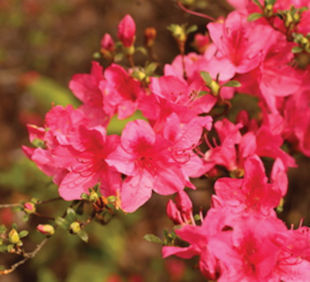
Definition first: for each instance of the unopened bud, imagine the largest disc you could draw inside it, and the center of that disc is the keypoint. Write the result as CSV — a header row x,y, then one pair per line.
x,y
268,10
93,196
130,50
75,227
215,87
149,36
46,229
14,237
178,32
29,208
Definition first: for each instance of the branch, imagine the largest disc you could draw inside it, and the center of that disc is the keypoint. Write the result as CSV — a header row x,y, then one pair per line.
x,y
27,256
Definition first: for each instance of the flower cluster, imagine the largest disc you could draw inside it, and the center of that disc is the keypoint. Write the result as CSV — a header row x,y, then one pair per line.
x,y
191,129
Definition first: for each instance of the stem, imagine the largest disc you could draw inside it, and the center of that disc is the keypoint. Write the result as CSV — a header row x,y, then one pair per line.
x,y
50,200
195,13
27,256
4,206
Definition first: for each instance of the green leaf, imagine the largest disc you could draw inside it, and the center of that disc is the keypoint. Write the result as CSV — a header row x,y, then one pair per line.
x,y
206,77
191,29
258,3
71,215
62,223
232,83
297,49
83,235
254,17
150,68
23,233
141,50
152,238
2,229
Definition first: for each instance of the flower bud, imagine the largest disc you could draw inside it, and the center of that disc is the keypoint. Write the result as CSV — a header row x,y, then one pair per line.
x,y
29,208
149,36
46,229
93,196
201,42
107,43
126,31
14,237
215,87
75,227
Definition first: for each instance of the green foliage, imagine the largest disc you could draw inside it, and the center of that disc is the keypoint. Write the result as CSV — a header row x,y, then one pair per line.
x,y
152,238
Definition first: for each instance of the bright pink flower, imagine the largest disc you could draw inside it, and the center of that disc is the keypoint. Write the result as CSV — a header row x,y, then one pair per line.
x,y
253,192
144,157
120,92
75,154
201,42
86,88
126,31
242,44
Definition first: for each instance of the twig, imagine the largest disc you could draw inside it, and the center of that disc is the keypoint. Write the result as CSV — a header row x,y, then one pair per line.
x,y
4,206
27,256
195,13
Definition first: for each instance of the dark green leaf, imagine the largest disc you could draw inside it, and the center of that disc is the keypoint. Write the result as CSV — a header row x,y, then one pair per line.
x,y
71,215
258,3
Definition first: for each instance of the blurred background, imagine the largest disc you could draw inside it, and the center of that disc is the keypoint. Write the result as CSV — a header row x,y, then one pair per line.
x,y
43,44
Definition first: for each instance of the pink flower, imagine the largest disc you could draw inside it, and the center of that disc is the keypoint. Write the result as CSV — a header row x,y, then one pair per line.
x,y
120,92
241,45
144,157
126,31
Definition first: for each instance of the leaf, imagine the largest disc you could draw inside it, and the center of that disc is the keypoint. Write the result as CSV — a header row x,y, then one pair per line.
x,y
2,229
254,17
297,49
83,235
23,233
71,215
3,249
141,50
191,29
150,68
152,238
62,223
232,83
258,3
206,77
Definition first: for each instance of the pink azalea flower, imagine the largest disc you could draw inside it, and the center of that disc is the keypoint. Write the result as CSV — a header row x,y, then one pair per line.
x,y
241,45
120,91
253,192
144,157
75,154
86,88
126,31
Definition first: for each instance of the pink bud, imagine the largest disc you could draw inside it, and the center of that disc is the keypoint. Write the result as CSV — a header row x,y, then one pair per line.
x,y
107,42
46,229
29,207
127,30
173,212
201,42
183,202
